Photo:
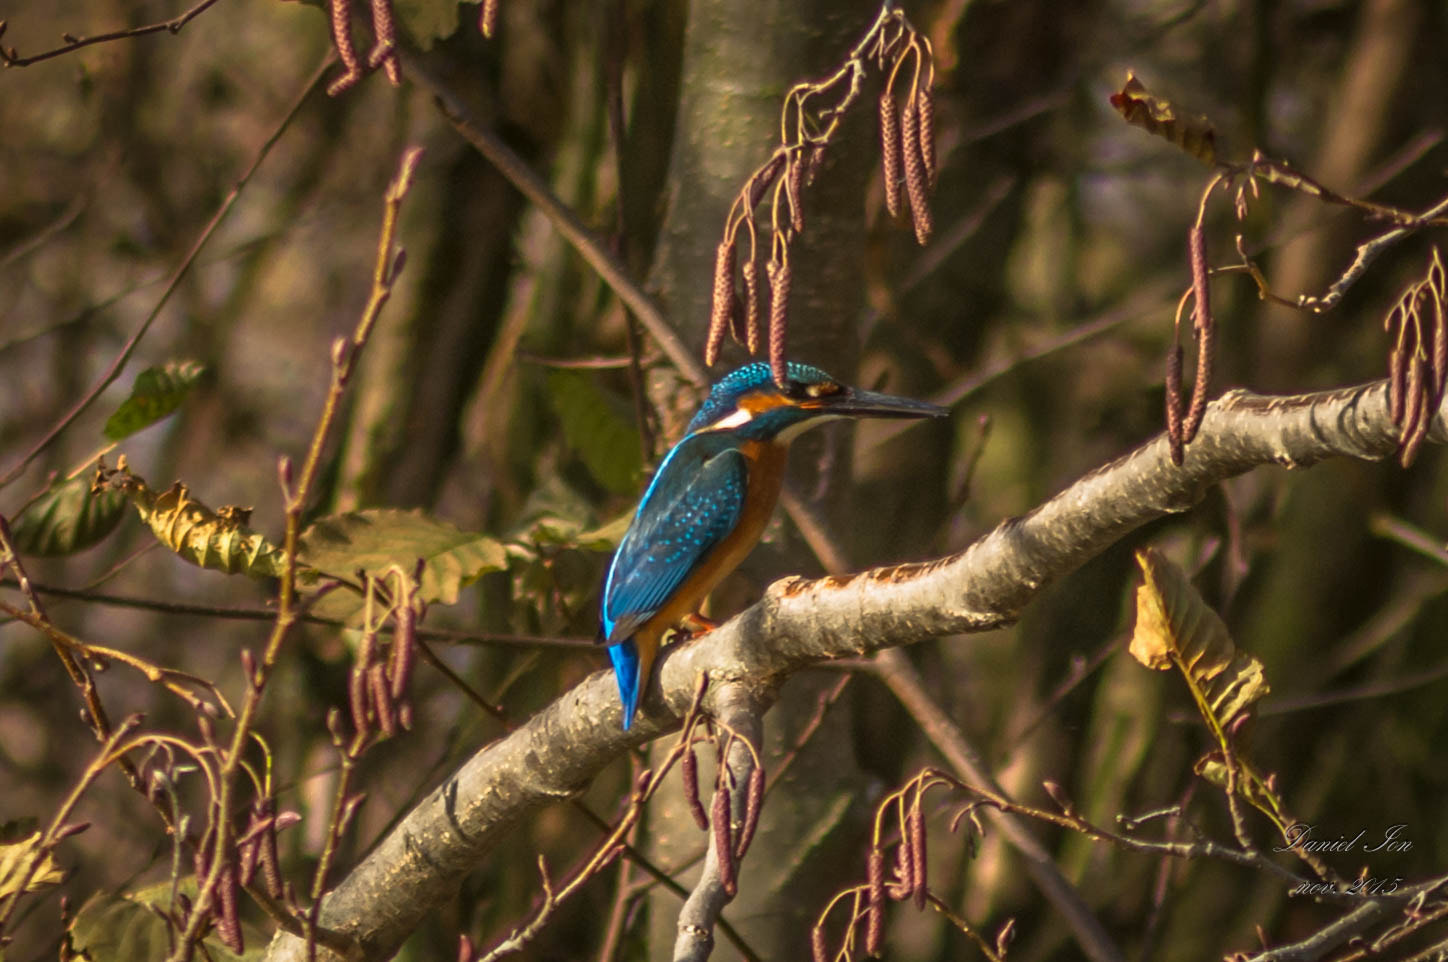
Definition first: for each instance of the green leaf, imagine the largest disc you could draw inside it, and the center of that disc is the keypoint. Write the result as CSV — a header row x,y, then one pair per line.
x,y
427,20
595,428
158,391
376,539
67,518
16,860
120,928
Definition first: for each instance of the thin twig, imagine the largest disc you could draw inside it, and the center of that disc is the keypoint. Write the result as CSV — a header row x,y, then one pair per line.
x,y
172,26
530,185
118,364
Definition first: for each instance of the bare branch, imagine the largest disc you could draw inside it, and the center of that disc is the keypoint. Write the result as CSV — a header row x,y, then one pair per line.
x,y
802,622
173,26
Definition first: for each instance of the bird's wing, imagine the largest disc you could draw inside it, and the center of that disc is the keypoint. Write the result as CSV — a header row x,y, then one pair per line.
x,y
692,504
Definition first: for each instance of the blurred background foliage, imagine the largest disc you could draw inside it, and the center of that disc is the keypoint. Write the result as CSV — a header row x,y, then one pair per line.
x,y
1049,288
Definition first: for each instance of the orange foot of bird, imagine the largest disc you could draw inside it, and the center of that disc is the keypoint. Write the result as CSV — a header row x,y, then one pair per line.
x,y
696,624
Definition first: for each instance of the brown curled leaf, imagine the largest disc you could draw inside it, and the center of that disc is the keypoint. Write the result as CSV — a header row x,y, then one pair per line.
x,y
723,302
890,151
1193,133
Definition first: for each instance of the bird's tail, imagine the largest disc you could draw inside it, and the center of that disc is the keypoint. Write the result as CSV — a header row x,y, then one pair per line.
x,y
625,658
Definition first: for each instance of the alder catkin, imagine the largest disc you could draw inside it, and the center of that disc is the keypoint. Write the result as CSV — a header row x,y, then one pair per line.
x,y
818,950
488,18
357,700
1440,339
875,904
753,319
915,838
779,281
1174,402
752,800
384,49
890,151
925,103
723,847
228,923
915,181
723,303
1203,324
794,190
341,17
382,699
404,642
689,770
271,872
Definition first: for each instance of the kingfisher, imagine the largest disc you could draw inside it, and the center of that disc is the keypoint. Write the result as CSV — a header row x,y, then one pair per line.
x,y
709,501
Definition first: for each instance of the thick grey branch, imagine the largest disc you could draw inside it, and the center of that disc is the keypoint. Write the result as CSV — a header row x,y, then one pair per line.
x,y
801,622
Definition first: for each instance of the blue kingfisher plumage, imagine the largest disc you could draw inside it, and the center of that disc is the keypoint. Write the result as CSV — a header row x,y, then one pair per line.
x,y
710,500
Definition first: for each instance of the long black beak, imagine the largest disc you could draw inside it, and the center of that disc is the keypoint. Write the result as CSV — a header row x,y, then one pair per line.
x,y
855,403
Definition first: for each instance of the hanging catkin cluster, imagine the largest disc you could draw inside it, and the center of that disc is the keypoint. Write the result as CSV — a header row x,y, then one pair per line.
x,y
810,121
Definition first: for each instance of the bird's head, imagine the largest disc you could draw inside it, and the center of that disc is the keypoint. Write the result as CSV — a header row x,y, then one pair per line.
x,y
748,403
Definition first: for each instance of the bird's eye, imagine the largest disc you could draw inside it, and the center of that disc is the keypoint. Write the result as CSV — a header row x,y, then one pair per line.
x,y
822,389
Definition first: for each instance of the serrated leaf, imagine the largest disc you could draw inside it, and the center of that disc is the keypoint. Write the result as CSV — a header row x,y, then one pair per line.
x,y
376,539
126,927
427,20
1175,627
16,860
1191,132
593,426
219,540
158,392
67,518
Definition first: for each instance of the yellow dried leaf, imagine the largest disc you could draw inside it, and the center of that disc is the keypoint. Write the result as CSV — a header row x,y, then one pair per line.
x,y
1175,626
219,540
16,860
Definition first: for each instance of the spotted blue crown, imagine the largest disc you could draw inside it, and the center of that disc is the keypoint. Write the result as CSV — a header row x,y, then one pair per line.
x,y
724,397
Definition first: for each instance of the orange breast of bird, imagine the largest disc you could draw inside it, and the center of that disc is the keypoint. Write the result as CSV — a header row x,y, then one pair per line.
x,y
766,461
